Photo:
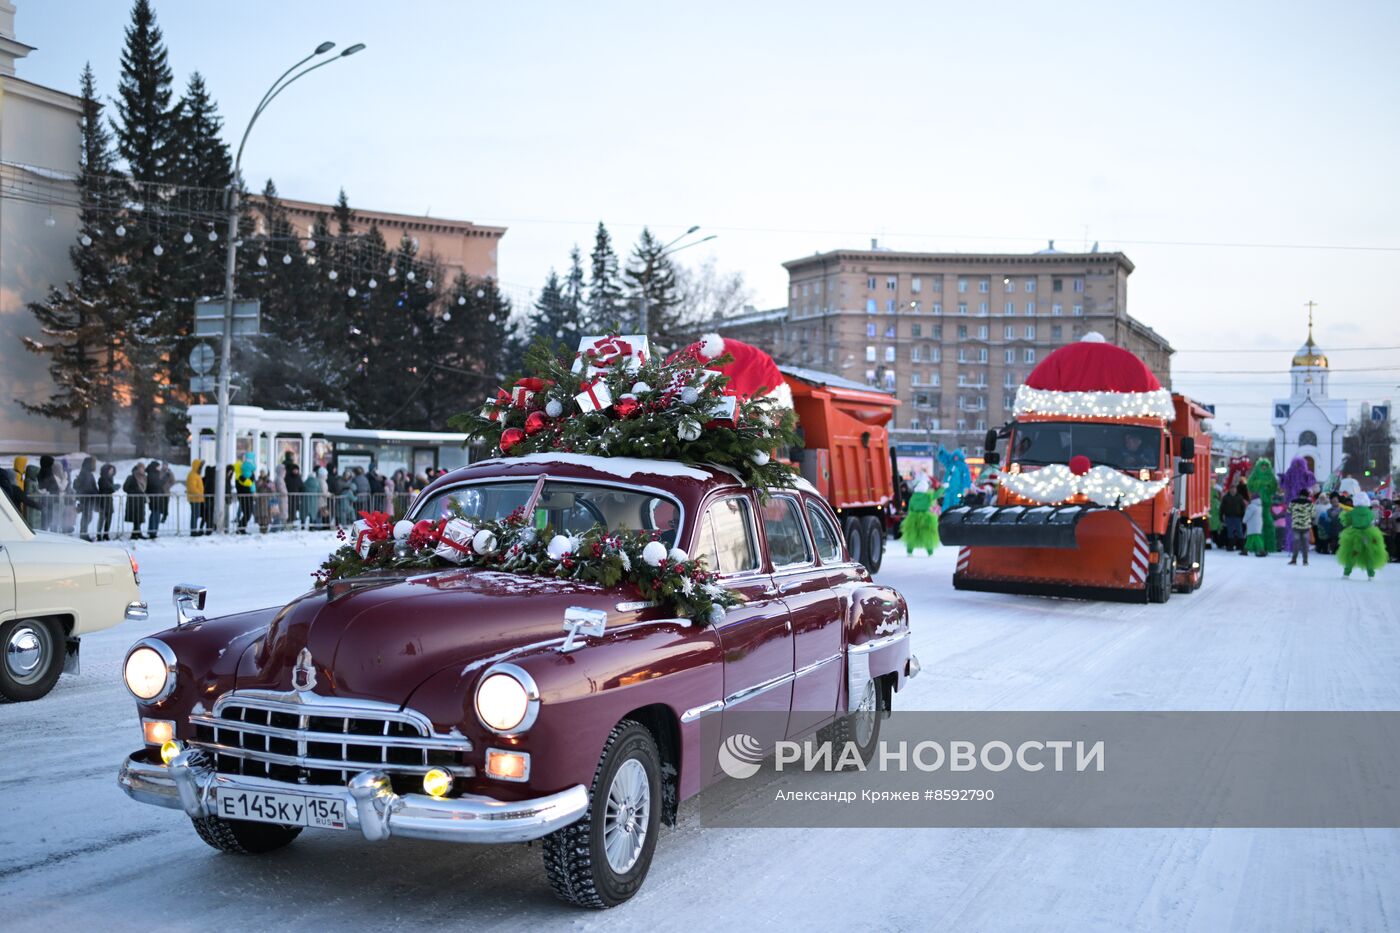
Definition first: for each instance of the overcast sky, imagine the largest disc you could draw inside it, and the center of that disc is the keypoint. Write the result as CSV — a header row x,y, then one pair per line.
x,y
1243,155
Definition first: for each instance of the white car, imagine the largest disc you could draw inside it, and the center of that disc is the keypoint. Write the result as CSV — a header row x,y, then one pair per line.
x,y
54,590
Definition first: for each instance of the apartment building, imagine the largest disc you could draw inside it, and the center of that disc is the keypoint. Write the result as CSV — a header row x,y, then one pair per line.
x,y
953,334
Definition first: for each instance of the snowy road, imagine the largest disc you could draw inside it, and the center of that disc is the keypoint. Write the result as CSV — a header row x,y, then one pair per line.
x,y
76,854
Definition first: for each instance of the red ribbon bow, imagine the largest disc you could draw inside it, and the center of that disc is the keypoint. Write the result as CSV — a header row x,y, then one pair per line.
x,y
608,350
381,525
426,533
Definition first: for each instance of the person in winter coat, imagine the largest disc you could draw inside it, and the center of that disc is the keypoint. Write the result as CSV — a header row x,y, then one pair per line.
x,y
194,495
1232,506
360,483
85,488
279,491
1300,520
210,492
38,502
1329,512
1254,528
157,498
1361,542
376,490
135,489
315,486
245,482
263,507
48,494
106,489
14,491
296,496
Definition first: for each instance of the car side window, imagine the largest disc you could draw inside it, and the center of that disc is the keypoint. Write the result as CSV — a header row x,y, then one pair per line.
x,y
824,533
729,528
782,523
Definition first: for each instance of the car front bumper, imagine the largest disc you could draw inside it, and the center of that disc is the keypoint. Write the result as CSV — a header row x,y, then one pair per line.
x,y
189,784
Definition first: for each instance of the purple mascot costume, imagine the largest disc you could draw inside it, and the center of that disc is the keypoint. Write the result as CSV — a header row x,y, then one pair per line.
x,y
1298,478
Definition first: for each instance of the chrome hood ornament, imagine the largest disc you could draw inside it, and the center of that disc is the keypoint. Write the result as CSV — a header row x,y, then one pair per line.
x,y
304,674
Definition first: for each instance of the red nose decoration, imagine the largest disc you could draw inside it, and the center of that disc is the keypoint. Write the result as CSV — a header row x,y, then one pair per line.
x,y
1079,465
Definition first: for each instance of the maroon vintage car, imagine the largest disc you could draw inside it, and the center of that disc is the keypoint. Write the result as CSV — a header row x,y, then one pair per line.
x,y
471,705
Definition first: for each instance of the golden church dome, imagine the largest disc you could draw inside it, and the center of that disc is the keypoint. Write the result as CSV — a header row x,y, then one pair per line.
x,y
1309,354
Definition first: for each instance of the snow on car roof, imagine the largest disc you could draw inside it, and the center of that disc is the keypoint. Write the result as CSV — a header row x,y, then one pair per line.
x,y
619,467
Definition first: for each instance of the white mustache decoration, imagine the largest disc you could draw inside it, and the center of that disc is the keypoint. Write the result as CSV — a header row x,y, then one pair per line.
x,y
1101,485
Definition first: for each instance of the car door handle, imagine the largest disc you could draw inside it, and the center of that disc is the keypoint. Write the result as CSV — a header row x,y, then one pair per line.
x,y
771,591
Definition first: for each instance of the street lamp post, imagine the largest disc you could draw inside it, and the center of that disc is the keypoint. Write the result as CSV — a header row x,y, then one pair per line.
x,y
665,252
221,439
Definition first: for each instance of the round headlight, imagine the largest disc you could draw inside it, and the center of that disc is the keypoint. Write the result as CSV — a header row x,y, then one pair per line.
x,y
150,670
507,700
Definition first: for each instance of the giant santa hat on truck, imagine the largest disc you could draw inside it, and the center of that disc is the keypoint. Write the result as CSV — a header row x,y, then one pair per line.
x,y
1090,379
751,372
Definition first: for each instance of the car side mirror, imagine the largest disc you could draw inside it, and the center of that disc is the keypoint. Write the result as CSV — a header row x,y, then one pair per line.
x,y
1188,448
580,621
188,596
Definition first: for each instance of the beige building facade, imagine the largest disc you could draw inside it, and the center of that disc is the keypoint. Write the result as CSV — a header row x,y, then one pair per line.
x,y
460,245
953,335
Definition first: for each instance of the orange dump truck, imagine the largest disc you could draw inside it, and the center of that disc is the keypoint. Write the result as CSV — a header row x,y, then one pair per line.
x,y
1104,491
846,454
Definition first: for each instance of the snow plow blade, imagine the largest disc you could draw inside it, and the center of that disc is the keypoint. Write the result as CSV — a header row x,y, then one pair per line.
x,y
1081,552
1011,525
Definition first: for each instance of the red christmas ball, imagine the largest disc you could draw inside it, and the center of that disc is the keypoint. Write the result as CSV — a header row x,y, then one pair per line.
x,y
535,422
1079,465
510,437
626,406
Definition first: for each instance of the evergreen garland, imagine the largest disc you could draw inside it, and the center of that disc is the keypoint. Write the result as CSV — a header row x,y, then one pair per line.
x,y
662,409
668,577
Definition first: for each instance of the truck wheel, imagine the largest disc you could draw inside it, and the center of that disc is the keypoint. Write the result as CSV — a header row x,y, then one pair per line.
x,y
874,543
33,658
243,837
1159,584
602,860
1201,556
855,539
861,728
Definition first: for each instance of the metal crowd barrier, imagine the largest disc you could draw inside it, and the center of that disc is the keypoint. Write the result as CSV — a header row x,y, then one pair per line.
x,y
128,517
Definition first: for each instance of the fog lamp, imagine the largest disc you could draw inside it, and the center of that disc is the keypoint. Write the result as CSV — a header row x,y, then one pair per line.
x,y
170,749
506,765
157,731
437,782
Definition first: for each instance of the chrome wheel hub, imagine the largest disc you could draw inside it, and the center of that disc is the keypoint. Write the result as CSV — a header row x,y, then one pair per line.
x,y
27,653
627,816
865,715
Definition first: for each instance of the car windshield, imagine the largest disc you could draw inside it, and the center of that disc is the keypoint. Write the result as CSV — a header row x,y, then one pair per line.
x,y
1121,446
564,507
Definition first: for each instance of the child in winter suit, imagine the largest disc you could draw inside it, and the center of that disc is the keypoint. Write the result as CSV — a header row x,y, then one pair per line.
x,y
1300,518
1254,527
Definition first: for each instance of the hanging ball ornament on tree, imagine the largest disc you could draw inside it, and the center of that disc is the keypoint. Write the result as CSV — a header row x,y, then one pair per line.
x,y
535,422
188,238
688,429
678,555
690,395
402,529
654,553
213,237
626,406
640,388
159,250
509,438
121,230
554,408
484,543
332,275
760,457
85,240
559,547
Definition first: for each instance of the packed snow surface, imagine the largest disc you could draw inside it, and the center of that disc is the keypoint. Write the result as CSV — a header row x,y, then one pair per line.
x,y
75,853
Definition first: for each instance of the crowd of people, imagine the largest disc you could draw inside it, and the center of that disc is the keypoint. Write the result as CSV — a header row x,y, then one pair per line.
x,y
50,498
1312,521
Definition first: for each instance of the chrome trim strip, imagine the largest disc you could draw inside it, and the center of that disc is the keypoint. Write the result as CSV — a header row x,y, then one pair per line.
x,y
705,709
808,668
437,743
758,689
324,764
878,643
314,704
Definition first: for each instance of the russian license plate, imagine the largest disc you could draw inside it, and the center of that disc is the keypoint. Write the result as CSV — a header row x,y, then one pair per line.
x,y
287,809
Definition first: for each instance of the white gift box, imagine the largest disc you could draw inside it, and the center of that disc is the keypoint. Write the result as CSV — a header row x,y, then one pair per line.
x,y
595,397
611,351
455,542
726,408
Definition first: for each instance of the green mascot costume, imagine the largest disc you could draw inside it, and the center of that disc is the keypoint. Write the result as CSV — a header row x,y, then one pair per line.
x,y
1263,483
920,527
1361,541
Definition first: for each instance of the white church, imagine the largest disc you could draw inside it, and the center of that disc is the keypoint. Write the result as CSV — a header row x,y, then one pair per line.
x,y
1309,424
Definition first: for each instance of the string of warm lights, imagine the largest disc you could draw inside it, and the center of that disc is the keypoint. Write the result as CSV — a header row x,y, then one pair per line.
x,y
1154,404
1101,485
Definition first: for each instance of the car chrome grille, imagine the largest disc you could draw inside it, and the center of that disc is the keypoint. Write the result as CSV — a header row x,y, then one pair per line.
x,y
309,739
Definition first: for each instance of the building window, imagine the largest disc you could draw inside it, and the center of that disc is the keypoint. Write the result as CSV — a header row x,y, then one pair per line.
x,y
962,424
916,354
1057,285
938,307
982,355
890,331
914,306
1079,285
889,379
962,354
962,331
938,332
1307,439
889,354
804,291
913,379
1056,332
1009,379
870,377
984,285
962,285
817,287
1008,402
1009,283
889,306
935,380
794,291
962,307
938,283
891,283
1030,285
870,354
916,284
1030,309
982,332
982,309
1011,307
962,380
1029,355
1057,309
1010,357
1078,310
1009,332
982,423
870,329
914,423
935,356
916,330
1030,331
870,307
870,283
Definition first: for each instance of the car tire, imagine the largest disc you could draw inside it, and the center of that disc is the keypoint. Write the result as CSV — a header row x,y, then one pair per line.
x,y
602,860
855,539
862,727
243,837
33,658
1161,581
874,534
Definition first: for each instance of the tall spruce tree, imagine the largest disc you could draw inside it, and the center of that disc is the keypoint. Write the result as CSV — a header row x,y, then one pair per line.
x,y
604,305
652,279
573,288
552,318
81,322
145,126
